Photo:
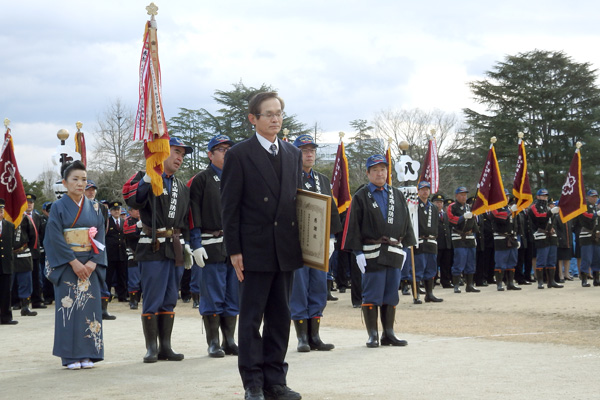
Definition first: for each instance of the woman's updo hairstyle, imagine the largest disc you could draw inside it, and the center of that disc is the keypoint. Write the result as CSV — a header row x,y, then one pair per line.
x,y
69,167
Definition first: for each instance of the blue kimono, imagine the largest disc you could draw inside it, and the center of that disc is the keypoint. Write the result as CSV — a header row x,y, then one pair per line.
x,y
78,319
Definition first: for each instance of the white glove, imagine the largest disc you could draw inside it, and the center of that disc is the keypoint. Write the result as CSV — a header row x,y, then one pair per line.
x,y
139,224
468,215
199,256
147,178
518,244
555,210
362,262
187,257
331,246
514,208
598,213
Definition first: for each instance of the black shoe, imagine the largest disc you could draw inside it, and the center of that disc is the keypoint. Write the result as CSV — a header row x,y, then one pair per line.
x,y
281,392
39,305
342,290
254,393
11,322
184,300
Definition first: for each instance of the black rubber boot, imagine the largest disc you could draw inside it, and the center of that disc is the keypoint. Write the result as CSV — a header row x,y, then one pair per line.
x,y
105,314
419,287
596,278
584,282
456,283
133,303
388,316
314,339
301,326
416,299
330,297
510,281
498,273
211,326
404,287
195,300
429,297
228,329
470,288
25,310
165,328
551,282
370,315
150,326
539,277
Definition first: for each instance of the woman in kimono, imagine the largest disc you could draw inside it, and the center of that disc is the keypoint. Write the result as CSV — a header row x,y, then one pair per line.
x,y
76,265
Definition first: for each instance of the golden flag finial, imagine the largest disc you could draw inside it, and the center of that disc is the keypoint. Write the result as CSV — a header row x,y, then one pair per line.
x,y
342,134
152,10
493,140
578,145
78,124
6,122
521,135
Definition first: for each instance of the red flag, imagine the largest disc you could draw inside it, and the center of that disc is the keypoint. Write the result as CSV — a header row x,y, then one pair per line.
x,y
429,169
340,184
572,200
80,144
521,189
150,123
490,190
388,158
11,185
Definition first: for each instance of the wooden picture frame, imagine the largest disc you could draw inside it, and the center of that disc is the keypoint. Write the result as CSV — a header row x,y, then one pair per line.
x,y
313,211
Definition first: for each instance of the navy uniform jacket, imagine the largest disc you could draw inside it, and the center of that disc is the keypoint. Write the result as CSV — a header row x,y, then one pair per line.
x,y
463,230
259,213
171,212
25,239
116,249
366,227
505,229
428,228
544,234
6,247
587,224
205,215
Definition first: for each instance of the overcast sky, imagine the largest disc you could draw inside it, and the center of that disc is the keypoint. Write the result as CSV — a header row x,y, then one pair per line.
x,y
332,61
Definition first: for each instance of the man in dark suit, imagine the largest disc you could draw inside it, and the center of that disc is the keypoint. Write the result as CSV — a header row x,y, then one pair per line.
x,y
258,197
7,233
116,250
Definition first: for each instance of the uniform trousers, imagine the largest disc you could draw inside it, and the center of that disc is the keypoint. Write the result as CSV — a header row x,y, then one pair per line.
x,y
464,260
196,279
381,287
309,293
590,257
160,282
264,298
5,284
134,278
545,257
425,266
219,290
444,260
506,259
23,284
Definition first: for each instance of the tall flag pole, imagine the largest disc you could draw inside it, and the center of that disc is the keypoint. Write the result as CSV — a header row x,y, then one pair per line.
x,y
388,158
340,182
80,143
11,185
490,190
430,169
572,200
521,189
150,123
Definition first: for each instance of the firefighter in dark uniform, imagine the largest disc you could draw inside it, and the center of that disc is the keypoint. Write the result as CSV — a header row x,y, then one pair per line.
x,y
116,252
444,242
219,286
132,230
37,297
309,290
25,240
464,227
506,245
7,230
47,286
589,238
426,252
379,232
545,238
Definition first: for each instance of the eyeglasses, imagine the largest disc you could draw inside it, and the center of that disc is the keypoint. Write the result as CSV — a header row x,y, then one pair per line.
x,y
220,150
309,151
271,115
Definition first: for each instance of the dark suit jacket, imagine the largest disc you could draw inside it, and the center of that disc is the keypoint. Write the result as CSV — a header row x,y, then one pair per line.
x,y
116,249
6,247
259,212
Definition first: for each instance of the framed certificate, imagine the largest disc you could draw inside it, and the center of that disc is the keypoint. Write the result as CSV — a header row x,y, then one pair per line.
x,y
314,213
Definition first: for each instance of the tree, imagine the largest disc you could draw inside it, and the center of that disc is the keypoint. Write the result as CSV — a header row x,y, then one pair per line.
x,y
554,101
116,156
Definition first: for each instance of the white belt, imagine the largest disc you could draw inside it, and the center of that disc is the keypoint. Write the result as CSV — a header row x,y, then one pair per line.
x,y
213,240
372,255
147,240
24,255
459,237
371,247
427,241
585,235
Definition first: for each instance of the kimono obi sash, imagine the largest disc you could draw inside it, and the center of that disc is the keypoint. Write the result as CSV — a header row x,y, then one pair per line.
x,y
78,239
